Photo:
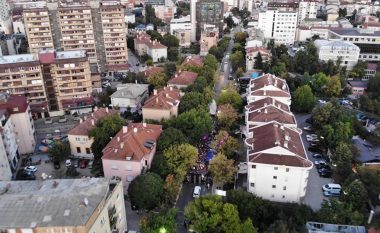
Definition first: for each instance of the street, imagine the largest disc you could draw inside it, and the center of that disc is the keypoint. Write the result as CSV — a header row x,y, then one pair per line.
x,y
314,196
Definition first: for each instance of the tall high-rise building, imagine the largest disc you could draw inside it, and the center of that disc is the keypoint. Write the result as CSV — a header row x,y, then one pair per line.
x,y
209,12
193,20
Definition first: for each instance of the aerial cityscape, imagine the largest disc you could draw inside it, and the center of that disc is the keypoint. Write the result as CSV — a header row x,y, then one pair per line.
x,y
206,116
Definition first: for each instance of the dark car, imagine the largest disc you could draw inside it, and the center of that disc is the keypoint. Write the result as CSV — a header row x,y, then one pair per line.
x,y
314,149
309,120
83,164
25,175
57,164
325,172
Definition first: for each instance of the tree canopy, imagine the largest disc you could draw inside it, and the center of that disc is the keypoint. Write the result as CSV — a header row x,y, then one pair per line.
x,y
222,169
225,144
180,157
193,100
154,222
157,80
303,99
227,116
230,96
195,123
169,137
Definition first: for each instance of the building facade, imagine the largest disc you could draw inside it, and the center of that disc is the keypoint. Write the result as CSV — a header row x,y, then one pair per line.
x,y
5,171
209,12
163,104
8,134
130,95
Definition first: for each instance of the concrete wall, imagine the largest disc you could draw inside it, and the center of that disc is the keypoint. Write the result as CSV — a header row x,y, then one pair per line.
x,y
5,171
82,142
158,114
24,128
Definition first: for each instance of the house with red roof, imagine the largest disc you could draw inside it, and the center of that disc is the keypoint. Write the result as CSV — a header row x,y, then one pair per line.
x,y
182,79
130,152
153,48
80,142
162,104
252,53
193,60
278,166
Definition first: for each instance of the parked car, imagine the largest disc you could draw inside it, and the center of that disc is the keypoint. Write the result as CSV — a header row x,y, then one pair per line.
x,y
314,149
57,164
83,163
48,121
30,168
325,171
320,163
313,144
311,135
90,164
309,120
332,186
68,163
322,101
62,119
308,128
331,193
197,191
76,163
24,175
317,156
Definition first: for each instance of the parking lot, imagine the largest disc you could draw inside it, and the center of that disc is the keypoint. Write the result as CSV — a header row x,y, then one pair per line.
x,y
314,195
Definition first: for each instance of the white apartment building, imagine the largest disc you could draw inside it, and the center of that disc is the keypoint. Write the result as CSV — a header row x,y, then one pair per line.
x,y
5,169
278,25
268,85
333,50
21,116
9,139
183,23
366,39
278,167
307,9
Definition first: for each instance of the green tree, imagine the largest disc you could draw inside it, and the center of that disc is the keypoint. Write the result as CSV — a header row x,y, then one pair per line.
x,y
229,21
280,226
171,136
356,195
106,128
337,212
155,35
258,61
225,144
374,85
371,180
145,191
193,100
155,222
333,86
198,86
303,99
320,81
60,151
157,80
280,69
209,214
227,116
209,74
343,160
173,54
230,96
160,165
237,59
358,70
149,62
217,52
180,157
172,187
211,61
170,41
170,69
195,123
240,37
222,169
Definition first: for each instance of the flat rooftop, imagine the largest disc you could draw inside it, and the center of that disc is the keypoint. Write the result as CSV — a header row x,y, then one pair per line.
x,y
18,58
354,32
317,227
70,54
38,203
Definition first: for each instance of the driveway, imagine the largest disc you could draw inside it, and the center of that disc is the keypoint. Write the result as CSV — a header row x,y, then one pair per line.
x,y
314,195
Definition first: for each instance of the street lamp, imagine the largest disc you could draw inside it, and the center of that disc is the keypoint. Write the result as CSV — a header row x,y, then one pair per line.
x,y
162,230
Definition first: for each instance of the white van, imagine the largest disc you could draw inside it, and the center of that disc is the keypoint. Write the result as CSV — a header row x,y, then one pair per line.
x,y
197,191
332,187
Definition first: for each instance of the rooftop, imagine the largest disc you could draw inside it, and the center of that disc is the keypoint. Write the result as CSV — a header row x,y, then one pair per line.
x,y
266,102
132,142
317,227
193,60
287,141
271,113
65,202
70,54
335,43
18,58
14,104
89,122
130,90
362,84
152,70
366,151
183,78
164,98
355,32
268,80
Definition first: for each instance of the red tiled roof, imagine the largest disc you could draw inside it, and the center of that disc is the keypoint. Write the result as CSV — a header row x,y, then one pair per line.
x,y
262,50
14,104
89,123
155,45
183,78
271,113
274,135
193,61
152,70
165,98
39,107
130,140
266,102
77,102
270,93
142,38
268,80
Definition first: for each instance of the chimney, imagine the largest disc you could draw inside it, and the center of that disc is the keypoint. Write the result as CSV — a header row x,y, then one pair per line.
x,y
286,144
273,101
265,111
179,71
156,100
95,109
125,129
176,75
80,120
85,201
136,81
265,104
92,122
154,92
282,127
171,88
144,124
118,139
265,92
135,130
122,145
167,95
92,114
85,117
275,82
106,110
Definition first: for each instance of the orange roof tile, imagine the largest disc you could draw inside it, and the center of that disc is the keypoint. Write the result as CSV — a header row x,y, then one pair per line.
x,y
164,98
130,142
183,78
193,61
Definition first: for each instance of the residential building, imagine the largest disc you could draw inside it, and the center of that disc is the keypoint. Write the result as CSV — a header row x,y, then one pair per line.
x,y
278,167
153,48
332,9
5,171
80,142
20,114
22,75
183,23
5,17
165,11
370,71
182,79
335,50
209,12
38,29
151,71
307,9
278,25
209,38
268,85
192,60
252,53
318,227
266,110
130,153
366,39
8,134
130,95
163,104
193,20
358,88
183,36
66,205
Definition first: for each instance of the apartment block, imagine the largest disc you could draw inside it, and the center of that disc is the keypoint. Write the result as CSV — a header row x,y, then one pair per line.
x,y
66,205
38,29
8,135
5,171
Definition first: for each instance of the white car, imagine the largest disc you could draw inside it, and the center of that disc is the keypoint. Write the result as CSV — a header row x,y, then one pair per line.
x,y
68,163
197,191
308,128
30,169
322,101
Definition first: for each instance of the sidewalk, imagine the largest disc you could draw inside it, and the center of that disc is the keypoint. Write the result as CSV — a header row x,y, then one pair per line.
x,y
132,217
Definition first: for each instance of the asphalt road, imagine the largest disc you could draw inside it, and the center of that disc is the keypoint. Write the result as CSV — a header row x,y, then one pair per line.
x,y
314,196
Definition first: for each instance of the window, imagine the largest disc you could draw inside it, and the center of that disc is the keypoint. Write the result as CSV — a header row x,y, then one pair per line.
x,y
78,150
88,151
114,167
283,196
275,168
275,177
253,166
252,185
284,188
274,186
287,169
